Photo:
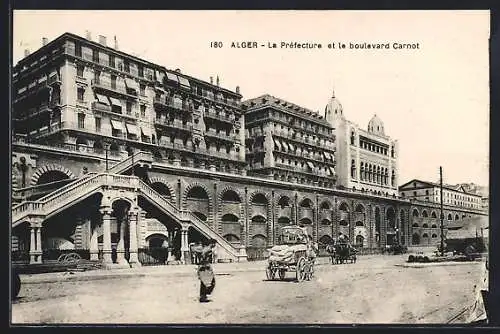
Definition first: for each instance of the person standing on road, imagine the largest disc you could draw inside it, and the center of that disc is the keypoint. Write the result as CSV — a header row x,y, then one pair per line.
x,y
205,271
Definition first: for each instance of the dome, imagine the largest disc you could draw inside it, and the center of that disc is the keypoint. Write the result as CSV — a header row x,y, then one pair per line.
x,y
376,125
333,109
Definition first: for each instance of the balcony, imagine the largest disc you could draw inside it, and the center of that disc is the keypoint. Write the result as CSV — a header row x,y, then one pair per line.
x,y
220,136
220,117
188,127
97,106
162,104
54,79
46,130
114,89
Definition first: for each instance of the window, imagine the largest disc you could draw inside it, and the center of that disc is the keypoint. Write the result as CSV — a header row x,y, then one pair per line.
x,y
129,107
111,61
97,124
126,66
80,93
113,81
78,49
79,70
97,75
95,56
81,121
142,89
143,111
141,70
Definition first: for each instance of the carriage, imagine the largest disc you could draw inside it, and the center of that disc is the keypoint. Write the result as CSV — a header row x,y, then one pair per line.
x,y
294,253
341,252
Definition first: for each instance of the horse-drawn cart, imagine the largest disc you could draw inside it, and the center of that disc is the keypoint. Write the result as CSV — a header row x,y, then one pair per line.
x,y
341,253
294,253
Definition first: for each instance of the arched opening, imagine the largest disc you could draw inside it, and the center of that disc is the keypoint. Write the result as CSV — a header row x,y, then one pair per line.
x,y
424,214
98,147
81,141
113,148
457,217
325,206
283,202
415,213
259,199
425,225
197,193
305,221
433,214
415,239
434,226
450,217
231,196
157,241
325,221
51,176
284,220
391,226
229,218
360,224
377,226
402,231
162,189
259,241
434,235
415,225
306,203
232,238
259,220
344,207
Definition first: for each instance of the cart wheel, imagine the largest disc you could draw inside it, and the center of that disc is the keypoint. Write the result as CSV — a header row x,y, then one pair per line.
x,y
301,269
270,273
72,258
282,273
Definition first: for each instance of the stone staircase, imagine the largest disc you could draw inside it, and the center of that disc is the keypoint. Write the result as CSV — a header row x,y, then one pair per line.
x,y
76,191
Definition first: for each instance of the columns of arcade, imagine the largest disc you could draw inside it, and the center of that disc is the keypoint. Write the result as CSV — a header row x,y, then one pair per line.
x,y
35,228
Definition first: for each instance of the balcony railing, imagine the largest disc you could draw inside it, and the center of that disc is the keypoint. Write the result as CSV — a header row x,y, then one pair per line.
x,y
162,103
221,136
175,125
220,117
101,84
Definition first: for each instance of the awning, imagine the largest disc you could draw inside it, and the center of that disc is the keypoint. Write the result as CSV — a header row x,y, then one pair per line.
x,y
327,155
172,77
146,131
292,148
131,84
102,99
277,143
117,125
132,129
310,164
285,145
184,82
115,102
42,79
332,171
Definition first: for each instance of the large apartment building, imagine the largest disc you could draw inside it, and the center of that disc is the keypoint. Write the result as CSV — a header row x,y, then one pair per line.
x,y
289,143
77,92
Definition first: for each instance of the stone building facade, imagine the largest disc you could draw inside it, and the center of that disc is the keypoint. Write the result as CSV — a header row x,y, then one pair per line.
x,y
367,159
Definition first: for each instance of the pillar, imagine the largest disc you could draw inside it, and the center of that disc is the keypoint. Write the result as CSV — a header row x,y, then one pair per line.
x,y
106,235
35,242
120,247
94,246
134,259
184,244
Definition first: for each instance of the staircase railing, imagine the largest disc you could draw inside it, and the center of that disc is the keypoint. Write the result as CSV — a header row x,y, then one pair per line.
x,y
186,215
60,196
124,164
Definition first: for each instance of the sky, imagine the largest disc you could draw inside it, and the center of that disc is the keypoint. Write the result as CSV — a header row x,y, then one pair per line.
x,y
434,100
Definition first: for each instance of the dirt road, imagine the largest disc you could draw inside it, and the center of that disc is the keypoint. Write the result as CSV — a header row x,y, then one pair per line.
x,y
373,290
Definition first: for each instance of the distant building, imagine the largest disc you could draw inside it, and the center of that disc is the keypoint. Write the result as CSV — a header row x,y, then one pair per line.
x,y
430,192
366,159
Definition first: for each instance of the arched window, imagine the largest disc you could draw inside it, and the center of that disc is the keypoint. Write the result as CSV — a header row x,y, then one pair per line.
x,y
353,169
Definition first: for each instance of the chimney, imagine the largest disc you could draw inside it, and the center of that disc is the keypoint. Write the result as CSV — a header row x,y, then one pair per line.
x,y
26,52
102,40
88,35
237,89
211,80
218,80
45,40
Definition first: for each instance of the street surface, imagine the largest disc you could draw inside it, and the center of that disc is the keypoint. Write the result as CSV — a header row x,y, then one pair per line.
x,y
373,290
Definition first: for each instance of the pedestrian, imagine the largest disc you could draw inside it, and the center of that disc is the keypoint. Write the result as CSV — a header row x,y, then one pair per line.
x,y
205,272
